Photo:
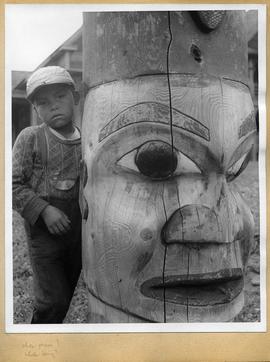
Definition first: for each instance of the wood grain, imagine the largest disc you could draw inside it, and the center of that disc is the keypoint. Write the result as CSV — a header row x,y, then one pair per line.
x,y
129,44
170,248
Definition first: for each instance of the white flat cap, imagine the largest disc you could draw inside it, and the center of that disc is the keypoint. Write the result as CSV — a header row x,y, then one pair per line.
x,y
46,76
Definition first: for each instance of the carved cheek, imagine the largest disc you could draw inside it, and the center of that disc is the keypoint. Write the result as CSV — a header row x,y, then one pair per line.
x,y
128,218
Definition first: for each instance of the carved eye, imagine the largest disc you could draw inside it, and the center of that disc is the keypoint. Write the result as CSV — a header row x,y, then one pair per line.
x,y
157,160
239,166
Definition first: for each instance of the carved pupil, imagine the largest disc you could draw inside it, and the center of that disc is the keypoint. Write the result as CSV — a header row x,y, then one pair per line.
x,y
156,159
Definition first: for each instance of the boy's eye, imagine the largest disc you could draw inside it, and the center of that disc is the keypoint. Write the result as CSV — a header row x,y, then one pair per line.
x,y
157,160
41,102
60,95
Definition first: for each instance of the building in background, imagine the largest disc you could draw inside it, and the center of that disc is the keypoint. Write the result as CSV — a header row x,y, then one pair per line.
x,y
21,109
69,56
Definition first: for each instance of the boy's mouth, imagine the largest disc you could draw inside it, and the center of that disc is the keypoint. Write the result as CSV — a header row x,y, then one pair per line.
x,y
57,116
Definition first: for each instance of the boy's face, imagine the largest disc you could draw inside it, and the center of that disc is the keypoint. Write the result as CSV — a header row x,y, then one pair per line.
x,y
55,105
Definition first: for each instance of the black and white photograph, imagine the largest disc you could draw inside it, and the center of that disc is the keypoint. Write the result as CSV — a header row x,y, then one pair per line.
x,y
135,168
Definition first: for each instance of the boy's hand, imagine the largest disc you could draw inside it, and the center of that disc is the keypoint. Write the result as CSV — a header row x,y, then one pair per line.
x,y
56,220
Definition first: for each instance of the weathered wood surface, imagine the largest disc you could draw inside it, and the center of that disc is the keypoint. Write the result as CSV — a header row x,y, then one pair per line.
x,y
123,45
163,245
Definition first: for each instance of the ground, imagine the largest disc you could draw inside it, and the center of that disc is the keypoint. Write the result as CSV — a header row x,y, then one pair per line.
x,y
22,273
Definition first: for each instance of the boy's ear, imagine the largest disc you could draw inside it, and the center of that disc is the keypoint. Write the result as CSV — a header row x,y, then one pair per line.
x,y
76,96
35,108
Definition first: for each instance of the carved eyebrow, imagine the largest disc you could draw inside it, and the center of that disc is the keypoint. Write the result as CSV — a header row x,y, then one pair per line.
x,y
154,112
248,125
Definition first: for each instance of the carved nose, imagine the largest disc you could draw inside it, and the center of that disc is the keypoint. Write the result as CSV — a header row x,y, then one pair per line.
x,y
192,224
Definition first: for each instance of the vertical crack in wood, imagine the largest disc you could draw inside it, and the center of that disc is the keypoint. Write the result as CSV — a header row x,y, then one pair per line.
x,y
164,263
171,131
164,288
168,79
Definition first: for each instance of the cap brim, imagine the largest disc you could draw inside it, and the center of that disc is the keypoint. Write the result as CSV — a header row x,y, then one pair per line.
x,y
31,96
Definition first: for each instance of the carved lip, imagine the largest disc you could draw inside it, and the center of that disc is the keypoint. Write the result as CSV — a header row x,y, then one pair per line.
x,y
196,290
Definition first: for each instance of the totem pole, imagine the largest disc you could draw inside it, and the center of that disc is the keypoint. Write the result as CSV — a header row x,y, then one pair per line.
x,y
168,124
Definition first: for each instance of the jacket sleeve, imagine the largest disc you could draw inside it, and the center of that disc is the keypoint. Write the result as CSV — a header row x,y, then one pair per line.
x,y
24,199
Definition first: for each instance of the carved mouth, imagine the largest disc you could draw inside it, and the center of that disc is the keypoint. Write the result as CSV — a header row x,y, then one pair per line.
x,y
196,290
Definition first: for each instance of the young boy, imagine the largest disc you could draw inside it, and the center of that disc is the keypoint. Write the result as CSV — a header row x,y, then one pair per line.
x,y
46,162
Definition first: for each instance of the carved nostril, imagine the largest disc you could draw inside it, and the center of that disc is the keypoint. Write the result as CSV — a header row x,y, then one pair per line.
x,y
156,159
196,53
192,224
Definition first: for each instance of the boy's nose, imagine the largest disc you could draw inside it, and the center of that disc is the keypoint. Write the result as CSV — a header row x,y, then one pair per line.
x,y
54,105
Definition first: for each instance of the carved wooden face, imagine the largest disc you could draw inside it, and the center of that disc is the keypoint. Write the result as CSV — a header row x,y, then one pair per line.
x,y
166,237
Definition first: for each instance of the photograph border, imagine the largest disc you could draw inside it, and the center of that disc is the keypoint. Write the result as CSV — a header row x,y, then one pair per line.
x,y
144,328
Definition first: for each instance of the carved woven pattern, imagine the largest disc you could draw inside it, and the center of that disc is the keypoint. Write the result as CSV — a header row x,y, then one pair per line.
x,y
211,19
